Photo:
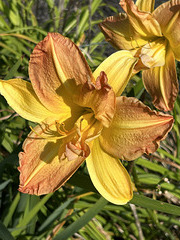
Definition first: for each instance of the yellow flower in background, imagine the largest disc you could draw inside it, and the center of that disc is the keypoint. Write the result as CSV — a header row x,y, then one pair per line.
x,y
79,117
153,37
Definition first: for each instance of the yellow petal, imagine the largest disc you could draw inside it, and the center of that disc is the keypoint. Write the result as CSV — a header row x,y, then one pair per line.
x,y
56,67
119,32
109,176
168,16
162,84
118,67
135,130
153,53
44,166
22,98
144,23
145,5
99,97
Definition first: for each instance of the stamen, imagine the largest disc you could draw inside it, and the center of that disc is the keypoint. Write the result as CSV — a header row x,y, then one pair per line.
x,y
64,131
46,137
40,135
149,44
132,43
63,126
80,127
88,126
137,43
58,126
49,134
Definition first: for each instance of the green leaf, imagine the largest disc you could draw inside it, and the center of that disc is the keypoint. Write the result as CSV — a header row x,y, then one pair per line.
x,y
4,184
84,24
13,70
156,167
82,221
24,221
164,153
21,36
12,208
25,29
57,212
149,203
4,233
33,200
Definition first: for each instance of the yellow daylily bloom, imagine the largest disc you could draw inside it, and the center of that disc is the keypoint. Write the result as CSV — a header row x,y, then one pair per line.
x,y
79,117
154,37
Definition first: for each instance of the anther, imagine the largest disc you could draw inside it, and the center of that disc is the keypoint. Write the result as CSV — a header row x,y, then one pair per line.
x,y
80,127
63,126
62,130
58,126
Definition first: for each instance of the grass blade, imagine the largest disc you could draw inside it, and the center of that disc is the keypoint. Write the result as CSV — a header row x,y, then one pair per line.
x,y
12,208
30,216
4,233
55,215
149,203
13,69
82,221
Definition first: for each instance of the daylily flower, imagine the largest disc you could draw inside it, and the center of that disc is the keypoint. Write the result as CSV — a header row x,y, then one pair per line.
x,y
79,117
154,37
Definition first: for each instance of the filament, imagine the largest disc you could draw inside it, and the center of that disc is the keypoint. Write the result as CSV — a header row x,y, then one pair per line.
x,y
46,137
58,126
137,44
63,132
80,127
131,42
88,126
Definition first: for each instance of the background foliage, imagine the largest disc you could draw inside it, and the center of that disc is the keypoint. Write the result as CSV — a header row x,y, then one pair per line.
x,y
76,211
